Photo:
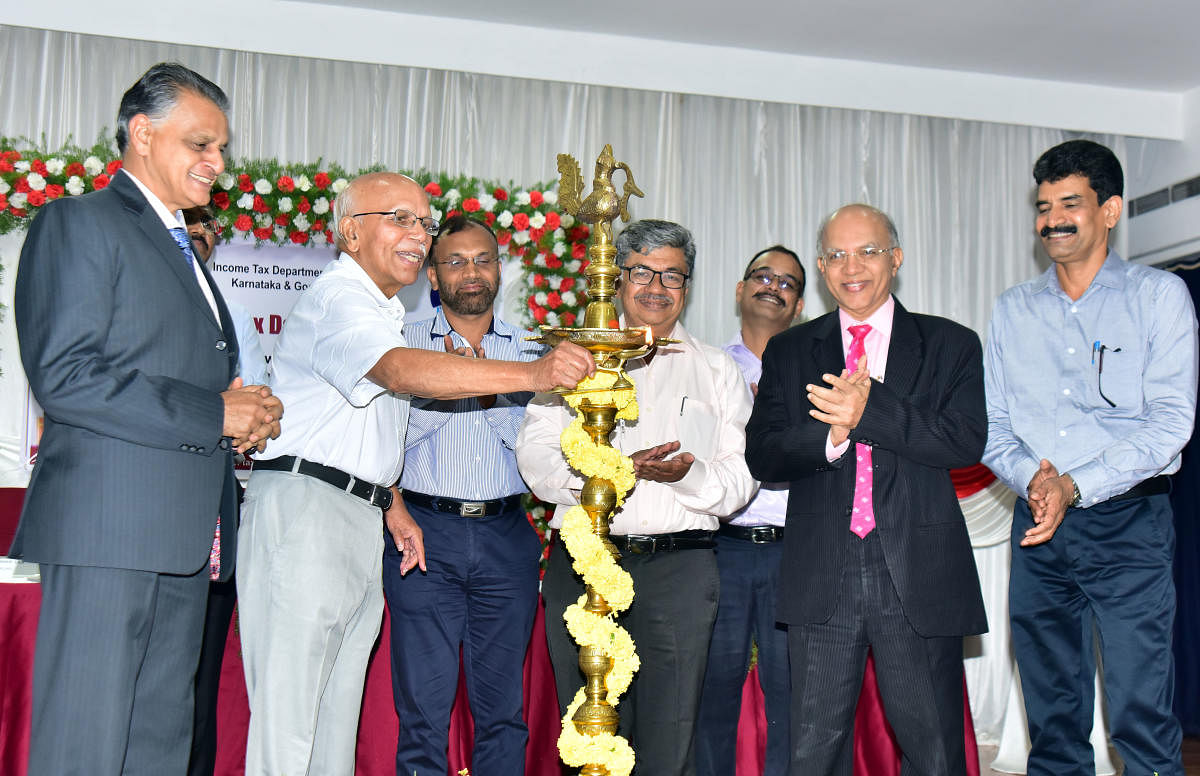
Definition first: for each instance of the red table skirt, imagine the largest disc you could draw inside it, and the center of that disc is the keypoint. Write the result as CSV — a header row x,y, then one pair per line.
x,y
875,752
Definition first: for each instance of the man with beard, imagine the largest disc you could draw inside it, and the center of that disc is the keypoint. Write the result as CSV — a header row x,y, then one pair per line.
x,y
478,592
749,545
687,449
312,535
1091,396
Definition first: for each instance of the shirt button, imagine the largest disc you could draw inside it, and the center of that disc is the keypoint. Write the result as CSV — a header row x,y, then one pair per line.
x,y
1062,433
1066,391
1071,351
1074,309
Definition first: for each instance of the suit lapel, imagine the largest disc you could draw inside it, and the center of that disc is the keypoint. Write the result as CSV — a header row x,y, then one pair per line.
x,y
158,238
904,352
827,345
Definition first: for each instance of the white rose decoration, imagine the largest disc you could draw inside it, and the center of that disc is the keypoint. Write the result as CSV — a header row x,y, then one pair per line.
x,y
21,165
568,220
487,202
321,206
551,197
560,249
559,234
303,183
285,204
74,186
573,265
246,201
262,186
4,187
93,166
435,213
540,298
35,181
521,198
537,221
262,220
339,185
504,219
226,181
551,318
18,200
569,298
301,222
452,196
280,233
520,238
55,166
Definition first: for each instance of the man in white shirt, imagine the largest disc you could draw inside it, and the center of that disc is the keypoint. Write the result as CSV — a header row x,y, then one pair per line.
x,y
309,573
687,446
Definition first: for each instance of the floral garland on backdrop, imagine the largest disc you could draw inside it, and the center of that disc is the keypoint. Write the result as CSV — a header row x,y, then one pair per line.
x,y
291,203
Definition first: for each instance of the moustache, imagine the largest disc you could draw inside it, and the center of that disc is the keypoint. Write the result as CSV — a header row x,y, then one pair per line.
x,y
650,296
1065,229
769,295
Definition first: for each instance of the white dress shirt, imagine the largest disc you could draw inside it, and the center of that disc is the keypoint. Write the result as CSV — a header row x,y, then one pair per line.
x,y
338,330
691,392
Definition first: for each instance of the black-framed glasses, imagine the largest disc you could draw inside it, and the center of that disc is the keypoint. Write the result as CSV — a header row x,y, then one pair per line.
x,y
405,219
870,252
482,262
1098,359
644,276
207,223
763,277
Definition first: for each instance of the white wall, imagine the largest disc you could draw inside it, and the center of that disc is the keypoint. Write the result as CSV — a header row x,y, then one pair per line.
x,y
1171,231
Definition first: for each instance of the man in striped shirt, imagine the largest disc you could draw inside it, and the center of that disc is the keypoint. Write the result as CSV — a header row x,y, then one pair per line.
x,y
461,485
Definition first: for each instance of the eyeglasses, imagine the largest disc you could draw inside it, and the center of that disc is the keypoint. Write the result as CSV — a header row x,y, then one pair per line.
x,y
207,224
644,276
837,258
404,219
482,263
763,277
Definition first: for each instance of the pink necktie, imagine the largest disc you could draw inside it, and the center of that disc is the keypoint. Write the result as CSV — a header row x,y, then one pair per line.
x,y
862,519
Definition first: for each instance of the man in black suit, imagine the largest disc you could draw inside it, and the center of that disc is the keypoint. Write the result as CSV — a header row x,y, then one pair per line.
x,y
130,351
876,552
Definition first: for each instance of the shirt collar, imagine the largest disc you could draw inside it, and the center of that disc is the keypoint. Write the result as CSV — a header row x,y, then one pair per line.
x,y
345,264
880,320
1111,275
169,219
441,327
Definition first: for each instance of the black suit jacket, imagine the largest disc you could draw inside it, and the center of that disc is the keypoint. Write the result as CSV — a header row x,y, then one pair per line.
x,y
124,355
927,417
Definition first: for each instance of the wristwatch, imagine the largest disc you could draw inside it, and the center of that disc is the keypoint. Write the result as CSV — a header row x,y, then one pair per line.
x,y
1077,497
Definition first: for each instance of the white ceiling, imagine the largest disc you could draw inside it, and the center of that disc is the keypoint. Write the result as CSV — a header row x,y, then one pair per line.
x,y
1137,44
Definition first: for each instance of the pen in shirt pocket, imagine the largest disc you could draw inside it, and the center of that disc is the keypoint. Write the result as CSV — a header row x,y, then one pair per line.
x,y
682,402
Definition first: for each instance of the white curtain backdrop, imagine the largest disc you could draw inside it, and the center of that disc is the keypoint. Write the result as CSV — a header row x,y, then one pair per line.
x,y
741,174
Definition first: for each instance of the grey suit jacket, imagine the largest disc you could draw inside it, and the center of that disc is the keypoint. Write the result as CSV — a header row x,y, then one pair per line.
x,y
926,418
124,355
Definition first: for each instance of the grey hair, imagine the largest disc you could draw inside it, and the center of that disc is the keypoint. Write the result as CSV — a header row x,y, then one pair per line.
x,y
649,234
343,207
893,235
157,92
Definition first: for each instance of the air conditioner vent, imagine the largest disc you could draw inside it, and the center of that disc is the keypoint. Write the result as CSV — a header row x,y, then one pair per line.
x,y
1148,202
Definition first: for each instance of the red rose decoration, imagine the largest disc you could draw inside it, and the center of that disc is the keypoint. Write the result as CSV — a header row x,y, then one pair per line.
x,y
539,280
553,221
243,223
19,212
23,185
54,191
553,300
329,236
299,237
584,264
100,181
113,166
221,200
76,168
321,180
489,218
264,233
244,182
318,225
3,202
552,261
503,237
470,204
5,165
532,302
578,250
579,233
539,314
566,284
282,219
36,198
433,189
568,319
451,214
536,198
285,184
38,166
500,194
304,205
535,235
10,156
520,222
259,205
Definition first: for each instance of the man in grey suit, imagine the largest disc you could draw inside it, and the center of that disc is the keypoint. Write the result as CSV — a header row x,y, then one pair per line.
x,y
130,351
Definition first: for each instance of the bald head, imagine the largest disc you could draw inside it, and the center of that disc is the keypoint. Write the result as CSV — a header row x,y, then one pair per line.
x,y
381,221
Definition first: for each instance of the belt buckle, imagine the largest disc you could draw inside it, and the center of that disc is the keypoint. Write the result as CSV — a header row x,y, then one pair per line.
x,y
763,534
381,497
472,509
640,545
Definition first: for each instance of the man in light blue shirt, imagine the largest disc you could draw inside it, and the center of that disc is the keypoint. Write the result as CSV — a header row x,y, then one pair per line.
x,y
1091,391
749,547
461,485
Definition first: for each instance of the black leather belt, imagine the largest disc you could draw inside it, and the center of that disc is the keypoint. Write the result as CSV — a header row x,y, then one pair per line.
x,y
636,544
375,495
759,534
1155,486
453,506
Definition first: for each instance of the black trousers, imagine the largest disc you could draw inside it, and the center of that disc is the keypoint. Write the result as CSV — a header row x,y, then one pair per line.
x,y
222,598
920,679
671,619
